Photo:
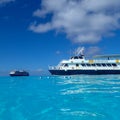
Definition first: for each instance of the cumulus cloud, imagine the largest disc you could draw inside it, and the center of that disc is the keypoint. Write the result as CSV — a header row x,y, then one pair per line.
x,y
92,51
58,52
83,21
5,1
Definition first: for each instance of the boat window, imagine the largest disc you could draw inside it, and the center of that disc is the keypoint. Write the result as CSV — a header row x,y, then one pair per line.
x,y
98,64
108,64
93,64
75,57
83,65
114,65
103,65
88,64
66,65
77,65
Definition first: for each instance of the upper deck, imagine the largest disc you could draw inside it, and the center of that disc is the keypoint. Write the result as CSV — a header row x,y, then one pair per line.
x,y
96,59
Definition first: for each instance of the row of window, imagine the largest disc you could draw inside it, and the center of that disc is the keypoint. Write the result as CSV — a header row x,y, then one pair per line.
x,y
77,57
97,65
100,65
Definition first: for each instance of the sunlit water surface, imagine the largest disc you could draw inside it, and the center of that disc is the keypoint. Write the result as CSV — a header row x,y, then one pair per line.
x,y
60,98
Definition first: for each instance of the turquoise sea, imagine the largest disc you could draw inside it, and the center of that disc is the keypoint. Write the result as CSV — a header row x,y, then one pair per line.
x,y
82,97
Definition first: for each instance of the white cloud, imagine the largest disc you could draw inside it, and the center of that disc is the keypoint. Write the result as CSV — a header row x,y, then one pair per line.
x,y
39,70
58,52
92,51
41,27
83,21
5,1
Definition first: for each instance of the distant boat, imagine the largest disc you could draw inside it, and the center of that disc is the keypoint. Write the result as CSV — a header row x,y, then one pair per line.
x,y
19,73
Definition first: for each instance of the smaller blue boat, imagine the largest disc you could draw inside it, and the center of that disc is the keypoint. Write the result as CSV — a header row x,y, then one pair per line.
x,y
19,73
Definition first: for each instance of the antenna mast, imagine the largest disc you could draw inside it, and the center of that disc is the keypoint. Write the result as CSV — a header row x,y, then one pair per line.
x,y
79,51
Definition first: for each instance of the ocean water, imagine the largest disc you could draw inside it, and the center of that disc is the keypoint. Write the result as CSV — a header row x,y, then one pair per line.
x,y
82,97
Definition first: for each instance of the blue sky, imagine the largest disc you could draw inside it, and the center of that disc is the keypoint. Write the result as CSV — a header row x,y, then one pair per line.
x,y
38,33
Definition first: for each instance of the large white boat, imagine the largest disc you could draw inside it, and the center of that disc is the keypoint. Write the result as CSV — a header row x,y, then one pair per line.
x,y
76,65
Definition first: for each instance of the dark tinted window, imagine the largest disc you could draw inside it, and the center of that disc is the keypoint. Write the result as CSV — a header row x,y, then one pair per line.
x,y
103,64
75,57
83,64
98,64
108,64
93,64
77,65
66,65
114,64
88,64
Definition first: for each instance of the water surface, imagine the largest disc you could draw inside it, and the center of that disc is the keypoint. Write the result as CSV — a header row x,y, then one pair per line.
x,y
82,97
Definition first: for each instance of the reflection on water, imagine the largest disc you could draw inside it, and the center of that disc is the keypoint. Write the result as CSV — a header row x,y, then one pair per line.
x,y
60,98
90,84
